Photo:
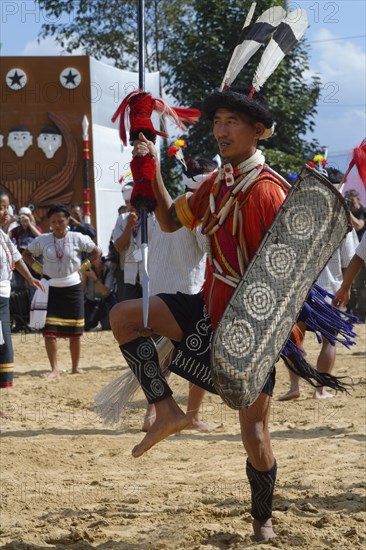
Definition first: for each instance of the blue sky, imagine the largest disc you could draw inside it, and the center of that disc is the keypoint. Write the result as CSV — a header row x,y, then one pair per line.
x,y
338,54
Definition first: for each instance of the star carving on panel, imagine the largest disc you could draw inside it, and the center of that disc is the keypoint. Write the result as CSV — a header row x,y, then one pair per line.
x,y
70,78
16,79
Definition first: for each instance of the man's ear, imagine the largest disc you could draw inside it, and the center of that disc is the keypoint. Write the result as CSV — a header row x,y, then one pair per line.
x,y
259,129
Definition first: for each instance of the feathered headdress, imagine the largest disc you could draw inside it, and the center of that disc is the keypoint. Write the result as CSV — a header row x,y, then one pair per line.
x,y
285,37
252,37
134,114
286,30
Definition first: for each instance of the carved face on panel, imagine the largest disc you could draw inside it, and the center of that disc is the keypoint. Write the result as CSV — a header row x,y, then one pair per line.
x,y
19,140
49,140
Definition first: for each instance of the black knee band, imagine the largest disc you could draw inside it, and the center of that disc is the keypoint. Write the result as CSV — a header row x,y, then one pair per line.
x,y
142,358
262,486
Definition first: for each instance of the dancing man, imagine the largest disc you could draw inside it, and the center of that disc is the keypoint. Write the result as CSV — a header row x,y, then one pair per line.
x,y
238,124
235,207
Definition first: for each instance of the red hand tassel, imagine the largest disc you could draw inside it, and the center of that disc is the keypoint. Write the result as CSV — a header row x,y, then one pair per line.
x,y
143,172
135,112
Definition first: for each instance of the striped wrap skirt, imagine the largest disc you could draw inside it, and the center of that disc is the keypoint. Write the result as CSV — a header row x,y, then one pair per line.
x,y
65,312
6,349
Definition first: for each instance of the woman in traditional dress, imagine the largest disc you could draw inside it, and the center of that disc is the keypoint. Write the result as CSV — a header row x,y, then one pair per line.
x,y
62,254
10,259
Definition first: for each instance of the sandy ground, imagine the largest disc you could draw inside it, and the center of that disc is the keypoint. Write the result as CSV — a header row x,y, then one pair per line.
x,y
69,482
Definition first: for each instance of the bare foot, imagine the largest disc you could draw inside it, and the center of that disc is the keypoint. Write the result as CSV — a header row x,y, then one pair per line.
x,y
148,422
77,371
263,530
149,419
52,375
321,393
170,419
291,394
201,426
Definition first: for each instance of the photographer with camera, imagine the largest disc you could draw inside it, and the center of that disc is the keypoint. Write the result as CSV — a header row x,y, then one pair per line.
x,y
26,230
126,238
21,295
357,303
358,212
99,293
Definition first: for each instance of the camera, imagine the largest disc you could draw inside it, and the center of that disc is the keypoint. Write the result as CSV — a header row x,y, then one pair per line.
x,y
348,202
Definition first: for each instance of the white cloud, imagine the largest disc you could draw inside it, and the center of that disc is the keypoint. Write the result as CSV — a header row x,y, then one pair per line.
x,y
343,63
46,46
341,120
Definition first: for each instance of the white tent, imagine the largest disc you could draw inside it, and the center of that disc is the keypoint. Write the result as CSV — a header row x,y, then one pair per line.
x,y
109,86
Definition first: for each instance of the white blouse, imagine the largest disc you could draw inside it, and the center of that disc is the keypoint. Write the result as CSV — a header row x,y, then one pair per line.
x,y
9,254
132,255
61,257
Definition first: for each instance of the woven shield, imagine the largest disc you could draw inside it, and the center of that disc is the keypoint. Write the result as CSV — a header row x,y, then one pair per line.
x,y
258,319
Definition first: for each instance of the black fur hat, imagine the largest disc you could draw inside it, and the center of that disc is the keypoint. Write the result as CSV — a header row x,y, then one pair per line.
x,y
236,98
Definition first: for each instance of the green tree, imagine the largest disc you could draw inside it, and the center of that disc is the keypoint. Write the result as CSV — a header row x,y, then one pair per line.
x,y
207,41
108,28
190,42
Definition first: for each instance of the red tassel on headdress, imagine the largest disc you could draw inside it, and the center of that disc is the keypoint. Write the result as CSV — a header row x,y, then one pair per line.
x,y
135,113
359,159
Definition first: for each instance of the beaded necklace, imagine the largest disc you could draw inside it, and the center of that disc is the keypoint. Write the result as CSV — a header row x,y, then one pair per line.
x,y
60,251
237,180
245,173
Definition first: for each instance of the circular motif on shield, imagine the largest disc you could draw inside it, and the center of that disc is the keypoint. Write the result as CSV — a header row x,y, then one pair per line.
x,y
280,261
324,200
259,300
300,222
238,338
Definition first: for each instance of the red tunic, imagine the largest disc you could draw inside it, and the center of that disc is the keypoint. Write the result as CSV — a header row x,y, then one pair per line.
x,y
258,205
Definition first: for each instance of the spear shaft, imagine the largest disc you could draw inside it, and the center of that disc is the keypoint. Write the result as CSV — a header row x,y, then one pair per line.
x,y
143,209
86,187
